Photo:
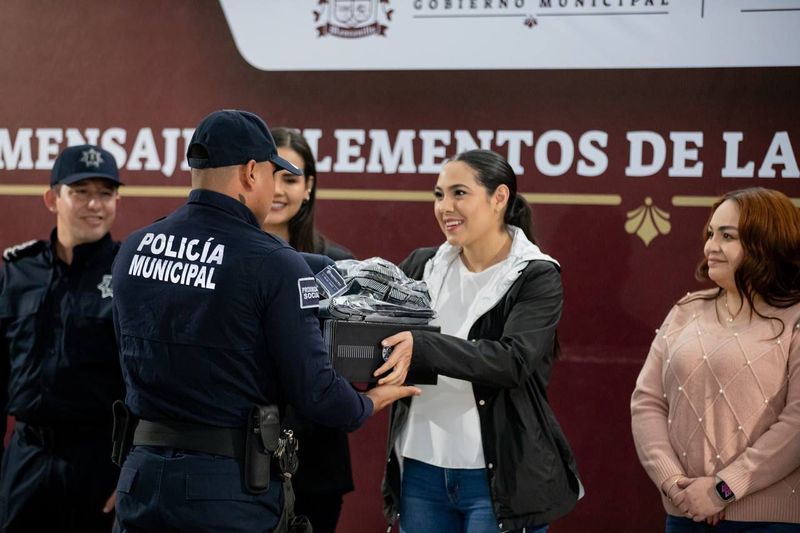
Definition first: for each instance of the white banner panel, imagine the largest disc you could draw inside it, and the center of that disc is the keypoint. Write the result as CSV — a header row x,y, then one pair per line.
x,y
514,34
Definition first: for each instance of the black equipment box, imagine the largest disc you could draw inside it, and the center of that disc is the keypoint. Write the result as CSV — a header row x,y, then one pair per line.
x,y
355,349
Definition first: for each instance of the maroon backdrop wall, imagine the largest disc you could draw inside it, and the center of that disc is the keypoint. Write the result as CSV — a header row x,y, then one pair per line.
x,y
140,64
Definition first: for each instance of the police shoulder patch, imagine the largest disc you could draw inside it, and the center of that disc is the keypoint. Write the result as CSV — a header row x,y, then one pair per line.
x,y
23,249
309,293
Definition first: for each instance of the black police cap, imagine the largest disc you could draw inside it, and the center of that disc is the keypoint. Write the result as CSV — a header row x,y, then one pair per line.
x,y
82,162
232,137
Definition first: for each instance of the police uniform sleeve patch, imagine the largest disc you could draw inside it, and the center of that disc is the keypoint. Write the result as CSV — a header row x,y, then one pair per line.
x,y
309,293
24,249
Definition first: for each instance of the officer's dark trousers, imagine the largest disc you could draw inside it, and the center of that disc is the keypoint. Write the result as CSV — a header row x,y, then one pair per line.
x,y
168,490
59,489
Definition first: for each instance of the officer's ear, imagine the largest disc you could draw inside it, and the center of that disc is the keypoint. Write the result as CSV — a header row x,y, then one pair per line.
x,y
247,175
50,197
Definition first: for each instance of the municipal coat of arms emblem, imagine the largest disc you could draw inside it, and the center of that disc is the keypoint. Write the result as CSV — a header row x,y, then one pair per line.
x,y
352,19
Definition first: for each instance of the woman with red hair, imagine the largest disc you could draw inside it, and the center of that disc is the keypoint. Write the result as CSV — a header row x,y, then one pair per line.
x,y
716,409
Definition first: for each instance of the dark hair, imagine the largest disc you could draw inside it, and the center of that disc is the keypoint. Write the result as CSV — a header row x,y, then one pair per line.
x,y
491,171
769,230
302,235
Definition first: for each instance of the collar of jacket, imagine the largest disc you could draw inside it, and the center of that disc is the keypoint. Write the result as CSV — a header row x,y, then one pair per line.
x,y
522,252
83,253
224,203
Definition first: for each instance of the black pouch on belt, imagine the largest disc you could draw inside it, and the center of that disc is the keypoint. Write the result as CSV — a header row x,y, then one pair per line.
x,y
263,434
122,434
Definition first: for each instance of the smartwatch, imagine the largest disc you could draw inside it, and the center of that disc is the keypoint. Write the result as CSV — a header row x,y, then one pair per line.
x,y
724,491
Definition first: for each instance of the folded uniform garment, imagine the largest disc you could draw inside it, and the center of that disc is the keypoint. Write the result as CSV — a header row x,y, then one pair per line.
x,y
378,291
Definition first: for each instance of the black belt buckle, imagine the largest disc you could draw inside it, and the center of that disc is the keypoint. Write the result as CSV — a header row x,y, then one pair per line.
x,y
41,436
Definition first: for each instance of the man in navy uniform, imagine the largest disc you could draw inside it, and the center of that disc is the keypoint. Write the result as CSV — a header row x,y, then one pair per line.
x,y
214,317
59,357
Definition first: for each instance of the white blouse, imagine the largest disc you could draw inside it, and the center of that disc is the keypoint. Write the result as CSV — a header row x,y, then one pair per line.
x,y
443,427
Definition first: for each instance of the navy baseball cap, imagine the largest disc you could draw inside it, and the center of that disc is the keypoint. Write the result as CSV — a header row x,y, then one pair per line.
x,y
82,162
232,137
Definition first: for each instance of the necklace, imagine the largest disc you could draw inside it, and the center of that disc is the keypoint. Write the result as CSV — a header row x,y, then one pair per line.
x,y
731,316
727,310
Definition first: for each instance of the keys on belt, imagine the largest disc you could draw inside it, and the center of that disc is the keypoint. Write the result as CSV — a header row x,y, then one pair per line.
x,y
286,454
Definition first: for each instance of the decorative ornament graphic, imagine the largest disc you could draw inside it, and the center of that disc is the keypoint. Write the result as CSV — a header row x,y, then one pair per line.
x,y
353,19
648,222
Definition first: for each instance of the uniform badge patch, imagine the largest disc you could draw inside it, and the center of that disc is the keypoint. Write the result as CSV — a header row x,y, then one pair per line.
x,y
92,158
106,291
309,293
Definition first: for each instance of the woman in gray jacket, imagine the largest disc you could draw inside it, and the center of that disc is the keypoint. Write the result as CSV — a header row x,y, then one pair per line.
x,y
481,450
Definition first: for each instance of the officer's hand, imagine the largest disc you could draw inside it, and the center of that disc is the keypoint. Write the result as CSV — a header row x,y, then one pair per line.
x,y
384,395
109,506
399,361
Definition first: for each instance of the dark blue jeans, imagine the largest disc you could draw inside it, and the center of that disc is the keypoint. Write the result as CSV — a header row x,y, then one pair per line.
x,y
448,500
681,524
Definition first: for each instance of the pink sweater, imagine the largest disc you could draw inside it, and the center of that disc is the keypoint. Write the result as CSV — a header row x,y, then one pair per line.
x,y
717,400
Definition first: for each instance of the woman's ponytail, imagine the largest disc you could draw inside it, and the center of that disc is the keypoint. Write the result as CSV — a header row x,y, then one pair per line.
x,y
518,213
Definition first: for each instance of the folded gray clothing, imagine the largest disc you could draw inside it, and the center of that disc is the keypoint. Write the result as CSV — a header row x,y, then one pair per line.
x,y
361,308
378,291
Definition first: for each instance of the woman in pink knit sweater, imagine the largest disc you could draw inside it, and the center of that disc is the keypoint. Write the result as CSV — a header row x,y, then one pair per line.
x,y
716,409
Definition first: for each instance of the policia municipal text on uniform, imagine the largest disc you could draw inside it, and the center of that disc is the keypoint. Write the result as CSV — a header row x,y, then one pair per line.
x,y
213,318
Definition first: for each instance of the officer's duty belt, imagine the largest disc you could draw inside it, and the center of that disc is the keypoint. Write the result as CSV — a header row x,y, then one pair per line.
x,y
227,442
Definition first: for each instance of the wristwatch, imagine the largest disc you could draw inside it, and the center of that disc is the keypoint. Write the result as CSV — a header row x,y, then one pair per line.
x,y
724,491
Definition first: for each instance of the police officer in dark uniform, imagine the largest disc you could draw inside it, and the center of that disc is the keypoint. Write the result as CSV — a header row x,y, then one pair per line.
x,y
59,358
216,321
